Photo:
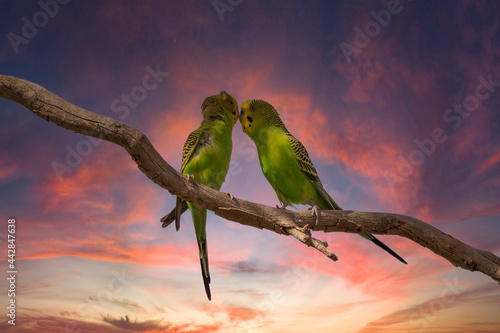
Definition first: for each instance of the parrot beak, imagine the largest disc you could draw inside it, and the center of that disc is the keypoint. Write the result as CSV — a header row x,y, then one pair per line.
x,y
242,120
236,116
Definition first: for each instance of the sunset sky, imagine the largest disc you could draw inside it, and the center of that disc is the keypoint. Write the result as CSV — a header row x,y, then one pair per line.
x,y
397,103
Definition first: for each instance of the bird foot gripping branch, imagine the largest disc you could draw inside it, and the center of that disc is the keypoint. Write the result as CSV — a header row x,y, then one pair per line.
x,y
315,212
283,206
231,197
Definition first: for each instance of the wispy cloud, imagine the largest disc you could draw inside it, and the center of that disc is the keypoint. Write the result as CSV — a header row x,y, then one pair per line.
x,y
124,323
421,317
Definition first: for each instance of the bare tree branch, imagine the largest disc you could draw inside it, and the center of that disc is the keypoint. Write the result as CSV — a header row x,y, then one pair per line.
x,y
51,107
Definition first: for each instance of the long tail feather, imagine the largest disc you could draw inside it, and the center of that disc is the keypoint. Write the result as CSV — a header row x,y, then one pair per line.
x,y
383,246
370,237
202,246
171,217
178,212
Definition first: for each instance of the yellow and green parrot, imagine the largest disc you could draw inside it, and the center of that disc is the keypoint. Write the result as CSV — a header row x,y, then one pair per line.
x,y
285,162
206,157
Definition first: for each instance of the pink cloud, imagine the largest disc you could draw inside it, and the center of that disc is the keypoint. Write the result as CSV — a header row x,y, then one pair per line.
x,y
489,163
7,168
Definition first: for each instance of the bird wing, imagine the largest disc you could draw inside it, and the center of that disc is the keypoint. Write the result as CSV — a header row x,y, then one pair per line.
x,y
187,152
309,170
307,167
190,146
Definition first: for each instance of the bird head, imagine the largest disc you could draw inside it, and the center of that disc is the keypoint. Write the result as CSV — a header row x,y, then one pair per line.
x,y
222,106
257,114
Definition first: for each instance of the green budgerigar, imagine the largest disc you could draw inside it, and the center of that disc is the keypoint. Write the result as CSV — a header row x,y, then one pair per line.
x,y
285,162
206,157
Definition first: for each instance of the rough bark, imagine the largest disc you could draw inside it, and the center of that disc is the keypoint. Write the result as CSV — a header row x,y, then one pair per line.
x,y
51,107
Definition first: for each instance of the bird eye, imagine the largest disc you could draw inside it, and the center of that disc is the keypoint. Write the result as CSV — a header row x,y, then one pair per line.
x,y
231,103
252,108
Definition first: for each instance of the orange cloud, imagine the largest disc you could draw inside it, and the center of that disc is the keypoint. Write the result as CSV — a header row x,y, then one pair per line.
x,y
116,251
234,313
489,163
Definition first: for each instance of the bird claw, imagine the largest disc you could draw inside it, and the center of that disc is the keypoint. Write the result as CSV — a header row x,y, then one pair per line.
x,y
231,197
283,206
315,212
189,177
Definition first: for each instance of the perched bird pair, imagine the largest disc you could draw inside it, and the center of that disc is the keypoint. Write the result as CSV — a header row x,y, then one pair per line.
x,y
283,159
